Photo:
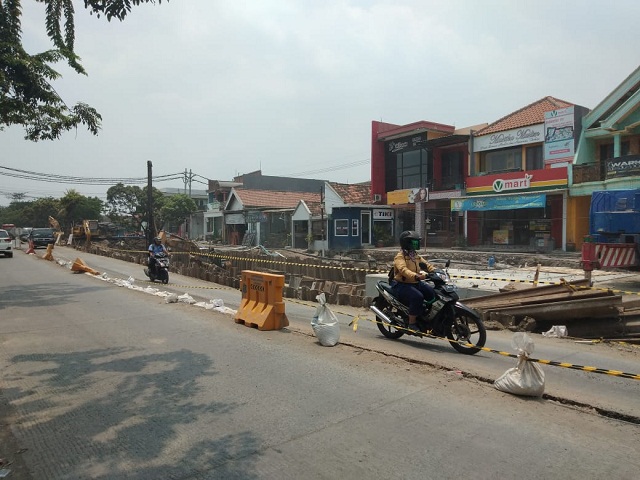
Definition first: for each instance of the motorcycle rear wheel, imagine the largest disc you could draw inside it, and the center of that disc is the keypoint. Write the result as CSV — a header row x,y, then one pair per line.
x,y
387,329
464,330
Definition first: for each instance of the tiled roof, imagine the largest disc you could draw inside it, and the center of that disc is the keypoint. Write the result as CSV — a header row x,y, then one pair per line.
x,y
314,208
271,199
355,193
530,115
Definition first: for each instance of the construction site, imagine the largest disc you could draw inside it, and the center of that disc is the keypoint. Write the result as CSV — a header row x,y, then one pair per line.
x,y
511,290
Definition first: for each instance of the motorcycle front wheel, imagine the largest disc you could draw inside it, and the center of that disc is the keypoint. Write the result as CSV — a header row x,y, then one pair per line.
x,y
387,329
466,333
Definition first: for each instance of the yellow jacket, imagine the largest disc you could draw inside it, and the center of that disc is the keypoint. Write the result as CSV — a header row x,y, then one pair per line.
x,y
407,270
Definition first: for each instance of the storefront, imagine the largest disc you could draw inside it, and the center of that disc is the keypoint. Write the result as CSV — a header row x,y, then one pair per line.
x,y
353,226
525,212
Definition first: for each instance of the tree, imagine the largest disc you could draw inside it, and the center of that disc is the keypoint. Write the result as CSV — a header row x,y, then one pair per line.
x,y
27,97
36,213
177,209
75,207
127,205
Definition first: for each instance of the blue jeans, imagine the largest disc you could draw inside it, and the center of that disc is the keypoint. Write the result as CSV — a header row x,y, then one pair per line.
x,y
413,295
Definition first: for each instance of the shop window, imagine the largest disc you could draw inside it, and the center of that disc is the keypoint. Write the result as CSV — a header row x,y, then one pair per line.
x,y
506,160
451,168
606,150
355,230
412,170
534,158
341,227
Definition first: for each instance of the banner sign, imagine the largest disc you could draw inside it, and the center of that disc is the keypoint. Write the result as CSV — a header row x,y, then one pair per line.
x,y
410,195
559,135
380,214
626,166
549,178
234,219
508,202
509,138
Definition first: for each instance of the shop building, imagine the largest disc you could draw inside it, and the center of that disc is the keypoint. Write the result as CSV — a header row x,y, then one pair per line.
x,y
517,188
608,153
417,169
341,220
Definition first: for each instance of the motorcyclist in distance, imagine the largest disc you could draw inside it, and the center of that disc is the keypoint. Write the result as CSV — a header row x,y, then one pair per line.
x,y
408,268
154,249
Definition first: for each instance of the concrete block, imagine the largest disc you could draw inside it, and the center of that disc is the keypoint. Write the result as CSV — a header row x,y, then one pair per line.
x,y
370,283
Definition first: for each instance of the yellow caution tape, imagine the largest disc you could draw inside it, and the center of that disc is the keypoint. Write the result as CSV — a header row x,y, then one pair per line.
x,y
616,373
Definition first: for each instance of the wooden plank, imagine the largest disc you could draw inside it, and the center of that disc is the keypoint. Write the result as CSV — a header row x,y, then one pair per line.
x,y
534,291
584,308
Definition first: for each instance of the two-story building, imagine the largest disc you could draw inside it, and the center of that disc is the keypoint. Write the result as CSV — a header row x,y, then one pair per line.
x,y
517,188
608,153
417,169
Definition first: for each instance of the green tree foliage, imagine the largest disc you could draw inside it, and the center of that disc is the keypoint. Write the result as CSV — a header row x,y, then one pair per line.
x,y
27,97
177,209
127,205
71,208
75,207
36,213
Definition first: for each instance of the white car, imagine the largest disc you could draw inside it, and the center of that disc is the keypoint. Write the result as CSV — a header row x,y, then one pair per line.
x,y
5,243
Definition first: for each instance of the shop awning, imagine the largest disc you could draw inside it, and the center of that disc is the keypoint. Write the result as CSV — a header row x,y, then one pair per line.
x,y
506,202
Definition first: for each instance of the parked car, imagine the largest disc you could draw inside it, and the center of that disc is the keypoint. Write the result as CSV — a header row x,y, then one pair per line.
x,y
5,243
42,237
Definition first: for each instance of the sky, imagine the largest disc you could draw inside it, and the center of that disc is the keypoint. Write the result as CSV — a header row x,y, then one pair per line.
x,y
219,88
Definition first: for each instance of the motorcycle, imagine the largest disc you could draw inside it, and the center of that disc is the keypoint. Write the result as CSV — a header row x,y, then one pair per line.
x,y
444,316
160,272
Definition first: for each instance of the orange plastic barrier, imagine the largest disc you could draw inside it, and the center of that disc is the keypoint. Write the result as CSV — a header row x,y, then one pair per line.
x,y
262,304
80,266
49,254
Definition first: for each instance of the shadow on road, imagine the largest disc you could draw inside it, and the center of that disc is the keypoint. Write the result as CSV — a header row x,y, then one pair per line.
x,y
42,295
122,415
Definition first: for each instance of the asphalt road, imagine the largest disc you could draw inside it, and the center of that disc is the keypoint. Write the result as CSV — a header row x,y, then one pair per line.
x,y
605,393
100,381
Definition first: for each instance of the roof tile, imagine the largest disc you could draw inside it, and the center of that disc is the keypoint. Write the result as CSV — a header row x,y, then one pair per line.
x,y
273,199
530,115
355,193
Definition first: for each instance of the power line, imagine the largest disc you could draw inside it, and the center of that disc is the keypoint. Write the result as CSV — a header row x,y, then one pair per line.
x,y
357,163
54,178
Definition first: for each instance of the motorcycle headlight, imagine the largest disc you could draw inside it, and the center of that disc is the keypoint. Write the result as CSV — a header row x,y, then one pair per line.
x,y
443,275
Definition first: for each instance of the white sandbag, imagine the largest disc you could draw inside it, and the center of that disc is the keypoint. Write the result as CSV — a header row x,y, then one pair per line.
x,y
557,331
186,298
171,298
325,323
526,378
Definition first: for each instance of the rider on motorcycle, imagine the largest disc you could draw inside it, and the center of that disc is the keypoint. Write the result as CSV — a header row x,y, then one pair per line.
x,y
408,268
154,249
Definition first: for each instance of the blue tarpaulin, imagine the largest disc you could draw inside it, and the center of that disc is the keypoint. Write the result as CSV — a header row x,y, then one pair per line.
x,y
507,202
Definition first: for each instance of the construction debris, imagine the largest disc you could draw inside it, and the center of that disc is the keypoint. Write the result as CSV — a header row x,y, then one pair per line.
x,y
586,312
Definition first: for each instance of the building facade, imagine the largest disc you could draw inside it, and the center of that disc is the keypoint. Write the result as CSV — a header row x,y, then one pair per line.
x,y
417,169
518,183
608,153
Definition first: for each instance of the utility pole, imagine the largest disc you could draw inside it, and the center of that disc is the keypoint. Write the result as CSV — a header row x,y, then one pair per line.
x,y
150,226
188,177
322,198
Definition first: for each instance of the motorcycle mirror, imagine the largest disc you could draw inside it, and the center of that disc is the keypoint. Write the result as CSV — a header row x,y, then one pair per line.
x,y
446,265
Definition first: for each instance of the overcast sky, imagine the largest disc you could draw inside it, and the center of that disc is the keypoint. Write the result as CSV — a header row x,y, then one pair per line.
x,y
225,87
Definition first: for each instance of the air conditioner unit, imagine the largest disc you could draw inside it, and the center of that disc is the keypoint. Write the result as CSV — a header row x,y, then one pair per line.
x,y
377,197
